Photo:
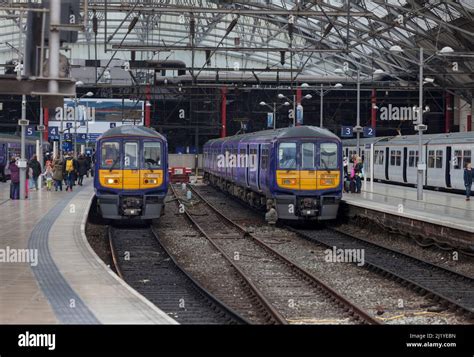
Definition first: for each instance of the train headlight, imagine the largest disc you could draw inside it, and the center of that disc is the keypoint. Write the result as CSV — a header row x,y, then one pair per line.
x,y
289,181
110,181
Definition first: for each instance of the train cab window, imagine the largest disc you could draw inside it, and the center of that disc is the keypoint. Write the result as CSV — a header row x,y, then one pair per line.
x,y
413,158
287,156
307,156
152,154
395,158
130,160
110,155
328,156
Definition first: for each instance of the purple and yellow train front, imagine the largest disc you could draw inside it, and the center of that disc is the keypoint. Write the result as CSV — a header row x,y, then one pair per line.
x,y
131,167
294,173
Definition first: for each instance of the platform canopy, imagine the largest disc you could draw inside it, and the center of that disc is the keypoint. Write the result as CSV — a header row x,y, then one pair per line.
x,y
297,40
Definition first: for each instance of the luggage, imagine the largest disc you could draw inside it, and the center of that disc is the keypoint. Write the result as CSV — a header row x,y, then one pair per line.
x,y
352,186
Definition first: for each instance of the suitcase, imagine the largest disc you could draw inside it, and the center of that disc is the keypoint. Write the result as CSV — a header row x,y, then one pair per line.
x,y
352,186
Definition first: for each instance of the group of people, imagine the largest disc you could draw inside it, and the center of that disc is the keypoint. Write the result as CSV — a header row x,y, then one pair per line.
x,y
353,176
68,170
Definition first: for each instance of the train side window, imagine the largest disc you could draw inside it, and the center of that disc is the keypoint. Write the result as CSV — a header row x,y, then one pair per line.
x,y
431,159
439,159
287,156
328,156
466,158
395,158
307,155
458,160
376,157
110,155
152,154
413,158
264,159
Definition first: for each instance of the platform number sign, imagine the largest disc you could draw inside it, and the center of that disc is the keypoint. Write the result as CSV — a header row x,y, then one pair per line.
x,y
81,137
67,137
53,133
68,125
30,130
347,132
369,132
113,125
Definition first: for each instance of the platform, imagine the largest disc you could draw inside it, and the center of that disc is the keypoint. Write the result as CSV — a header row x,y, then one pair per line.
x,y
67,283
449,212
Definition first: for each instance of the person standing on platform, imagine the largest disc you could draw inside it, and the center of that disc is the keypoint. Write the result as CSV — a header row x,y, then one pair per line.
x,y
58,173
48,175
70,169
82,168
358,170
468,180
35,172
15,179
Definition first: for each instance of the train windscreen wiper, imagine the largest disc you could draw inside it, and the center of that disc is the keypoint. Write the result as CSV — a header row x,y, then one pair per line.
x,y
115,162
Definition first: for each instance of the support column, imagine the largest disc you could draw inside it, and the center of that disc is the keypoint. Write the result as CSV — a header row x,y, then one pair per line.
x,y
373,101
45,123
223,112
147,106
448,112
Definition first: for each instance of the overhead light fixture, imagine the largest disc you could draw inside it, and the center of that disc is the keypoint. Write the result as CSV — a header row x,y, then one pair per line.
x,y
79,83
338,71
281,96
396,48
89,94
446,49
304,85
429,80
263,103
308,96
379,71
286,104
338,85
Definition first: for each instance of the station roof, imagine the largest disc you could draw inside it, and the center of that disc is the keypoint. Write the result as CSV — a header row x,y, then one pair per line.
x,y
312,38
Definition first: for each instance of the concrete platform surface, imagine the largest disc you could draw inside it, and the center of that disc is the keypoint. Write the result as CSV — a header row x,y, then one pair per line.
x,y
48,272
440,208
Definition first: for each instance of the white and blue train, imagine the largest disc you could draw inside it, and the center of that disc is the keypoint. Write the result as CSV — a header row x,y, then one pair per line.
x,y
396,158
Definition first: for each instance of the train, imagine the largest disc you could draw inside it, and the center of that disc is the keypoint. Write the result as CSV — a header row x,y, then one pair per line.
x,y
10,146
294,173
396,158
131,173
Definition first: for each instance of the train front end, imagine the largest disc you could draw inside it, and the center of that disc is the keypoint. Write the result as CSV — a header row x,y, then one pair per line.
x,y
132,175
308,178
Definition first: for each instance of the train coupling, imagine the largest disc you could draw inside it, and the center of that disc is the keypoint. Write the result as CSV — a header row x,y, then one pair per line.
x,y
308,207
132,206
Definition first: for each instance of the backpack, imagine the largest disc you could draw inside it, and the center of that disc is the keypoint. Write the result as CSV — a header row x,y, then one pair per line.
x,y
69,165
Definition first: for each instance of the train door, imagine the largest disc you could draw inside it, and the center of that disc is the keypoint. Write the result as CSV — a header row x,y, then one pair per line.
x,y
387,162
257,161
263,167
405,157
131,169
436,173
247,167
448,166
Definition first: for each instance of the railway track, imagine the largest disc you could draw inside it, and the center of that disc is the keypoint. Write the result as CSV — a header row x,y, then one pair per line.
x,y
443,285
144,263
292,291
454,289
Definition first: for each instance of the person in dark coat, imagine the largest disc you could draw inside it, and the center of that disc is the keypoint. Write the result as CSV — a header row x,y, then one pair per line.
x,y
15,179
35,170
58,173
468,180
82,168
